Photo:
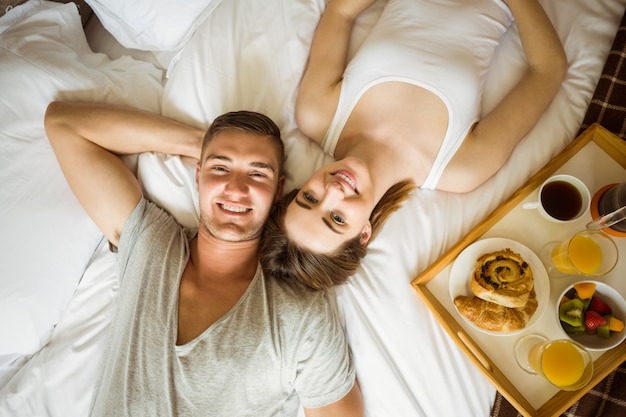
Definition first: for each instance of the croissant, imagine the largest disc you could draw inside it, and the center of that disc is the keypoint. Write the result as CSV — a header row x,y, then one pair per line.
x,y
502,277
496,317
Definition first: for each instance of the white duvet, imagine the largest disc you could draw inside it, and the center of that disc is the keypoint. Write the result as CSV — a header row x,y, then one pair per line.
x,y
246,54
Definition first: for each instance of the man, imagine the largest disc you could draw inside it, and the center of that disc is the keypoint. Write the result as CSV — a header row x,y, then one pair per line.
x,y
199,330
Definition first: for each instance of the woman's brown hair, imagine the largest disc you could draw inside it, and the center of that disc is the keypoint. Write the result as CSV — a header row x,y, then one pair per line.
x,y
285,259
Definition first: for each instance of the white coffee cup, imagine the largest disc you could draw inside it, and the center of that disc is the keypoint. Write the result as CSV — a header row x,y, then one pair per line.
x,y
562,199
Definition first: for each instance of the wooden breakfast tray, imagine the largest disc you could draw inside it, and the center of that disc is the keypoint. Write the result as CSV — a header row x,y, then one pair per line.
x,y
598,158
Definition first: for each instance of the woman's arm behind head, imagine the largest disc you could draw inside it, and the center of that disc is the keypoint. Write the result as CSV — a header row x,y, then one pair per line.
x,y
319,89
493,139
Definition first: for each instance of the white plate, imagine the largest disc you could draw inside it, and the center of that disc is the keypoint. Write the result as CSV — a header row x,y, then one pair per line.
x,y
463,266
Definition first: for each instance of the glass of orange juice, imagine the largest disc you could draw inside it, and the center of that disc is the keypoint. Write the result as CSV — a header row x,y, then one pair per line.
x,y
566,364
588,252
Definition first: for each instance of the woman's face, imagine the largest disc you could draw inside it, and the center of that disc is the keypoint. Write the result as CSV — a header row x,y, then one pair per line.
x,y
332,207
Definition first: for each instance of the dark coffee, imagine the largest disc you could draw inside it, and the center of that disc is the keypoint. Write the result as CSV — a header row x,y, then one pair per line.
x,y
561,200
613,199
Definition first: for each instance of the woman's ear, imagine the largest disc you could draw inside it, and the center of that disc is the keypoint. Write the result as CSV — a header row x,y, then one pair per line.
x,y
366,234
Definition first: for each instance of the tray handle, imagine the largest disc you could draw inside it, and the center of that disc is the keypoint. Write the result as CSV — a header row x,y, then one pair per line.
x,y
475,351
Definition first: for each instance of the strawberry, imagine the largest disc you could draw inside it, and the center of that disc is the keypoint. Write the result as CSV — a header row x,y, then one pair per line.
x,y
593,320
599,306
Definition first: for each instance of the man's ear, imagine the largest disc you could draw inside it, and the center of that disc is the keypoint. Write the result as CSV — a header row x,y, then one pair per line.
x,y
366,234
279,188
197,176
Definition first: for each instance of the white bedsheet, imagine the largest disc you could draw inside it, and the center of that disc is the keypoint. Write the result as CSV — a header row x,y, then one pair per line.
x,y
250,54
46,238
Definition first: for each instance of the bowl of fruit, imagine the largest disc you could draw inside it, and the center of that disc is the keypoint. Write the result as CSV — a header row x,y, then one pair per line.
x,y
593,314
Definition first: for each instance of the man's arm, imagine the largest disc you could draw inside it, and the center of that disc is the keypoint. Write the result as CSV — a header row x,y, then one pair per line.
x,y
87,139
351,405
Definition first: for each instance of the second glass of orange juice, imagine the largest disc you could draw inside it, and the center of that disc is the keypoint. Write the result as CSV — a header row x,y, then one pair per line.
x,y
588,252
565,363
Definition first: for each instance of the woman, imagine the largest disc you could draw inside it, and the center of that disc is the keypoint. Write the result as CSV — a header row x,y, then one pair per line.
x,y
403,112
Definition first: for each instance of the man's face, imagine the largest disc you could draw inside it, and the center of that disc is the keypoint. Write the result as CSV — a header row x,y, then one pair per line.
x,y
238,180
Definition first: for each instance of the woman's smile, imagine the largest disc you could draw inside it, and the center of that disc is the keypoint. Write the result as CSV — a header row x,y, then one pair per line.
x,y
347,178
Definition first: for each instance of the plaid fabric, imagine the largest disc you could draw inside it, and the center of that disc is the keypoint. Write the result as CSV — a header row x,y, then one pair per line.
x,y
607,399
608,108
608,104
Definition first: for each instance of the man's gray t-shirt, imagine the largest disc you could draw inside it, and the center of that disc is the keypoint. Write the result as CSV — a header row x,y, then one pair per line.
x,y
279,345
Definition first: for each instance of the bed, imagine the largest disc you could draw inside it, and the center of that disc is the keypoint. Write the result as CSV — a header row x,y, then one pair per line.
x,y
192,63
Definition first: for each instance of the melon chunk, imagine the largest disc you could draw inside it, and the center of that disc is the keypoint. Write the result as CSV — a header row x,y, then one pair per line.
x,y
616,325
585,290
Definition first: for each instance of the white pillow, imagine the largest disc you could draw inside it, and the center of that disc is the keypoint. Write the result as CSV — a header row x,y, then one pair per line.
x,y
152,25
249,55
47,239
